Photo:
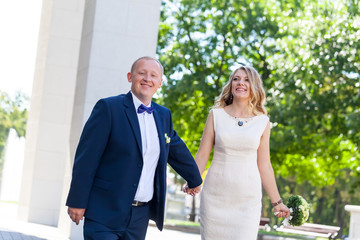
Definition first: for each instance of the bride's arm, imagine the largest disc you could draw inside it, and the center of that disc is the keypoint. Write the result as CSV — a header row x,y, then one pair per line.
x,y
206,144
267,174
203,153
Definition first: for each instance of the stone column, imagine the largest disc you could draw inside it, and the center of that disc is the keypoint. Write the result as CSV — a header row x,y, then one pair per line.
x,y
354,230
51,107
86,48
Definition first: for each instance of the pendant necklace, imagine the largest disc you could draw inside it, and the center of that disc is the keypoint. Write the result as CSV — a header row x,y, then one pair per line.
x,y
241,121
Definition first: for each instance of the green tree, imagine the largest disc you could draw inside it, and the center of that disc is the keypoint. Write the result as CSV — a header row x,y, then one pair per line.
x,y
317,99
12,115
308,55
316,103
199,41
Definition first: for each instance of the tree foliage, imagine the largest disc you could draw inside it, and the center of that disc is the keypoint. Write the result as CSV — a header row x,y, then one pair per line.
x,y
316,102
12,115
307,53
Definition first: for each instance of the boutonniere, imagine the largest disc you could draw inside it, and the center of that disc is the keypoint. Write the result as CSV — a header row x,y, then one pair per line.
x,y
167,139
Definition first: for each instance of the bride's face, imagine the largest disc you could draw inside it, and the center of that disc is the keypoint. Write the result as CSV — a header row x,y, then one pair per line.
x,y
241,85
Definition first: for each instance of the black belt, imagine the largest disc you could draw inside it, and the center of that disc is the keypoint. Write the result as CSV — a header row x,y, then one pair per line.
x,y
138,204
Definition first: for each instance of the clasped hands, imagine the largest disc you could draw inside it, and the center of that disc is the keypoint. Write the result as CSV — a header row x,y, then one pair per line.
x,y
191,191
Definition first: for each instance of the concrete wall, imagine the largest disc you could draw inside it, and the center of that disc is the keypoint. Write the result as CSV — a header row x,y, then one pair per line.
x,y
50,116
86,48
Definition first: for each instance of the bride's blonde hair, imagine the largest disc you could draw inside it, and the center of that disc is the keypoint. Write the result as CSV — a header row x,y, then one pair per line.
x,y
257,93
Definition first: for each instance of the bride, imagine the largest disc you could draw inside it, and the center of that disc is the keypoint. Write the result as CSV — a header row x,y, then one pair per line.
x,y
238,129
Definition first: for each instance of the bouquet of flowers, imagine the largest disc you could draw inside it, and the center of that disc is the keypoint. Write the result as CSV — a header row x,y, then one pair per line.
x,y
299,209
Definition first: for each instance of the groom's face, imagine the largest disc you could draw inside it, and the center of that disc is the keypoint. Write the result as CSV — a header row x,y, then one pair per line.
x,y
146,79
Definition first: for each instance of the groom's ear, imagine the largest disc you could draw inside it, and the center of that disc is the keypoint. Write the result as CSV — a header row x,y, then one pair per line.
x,y
129,77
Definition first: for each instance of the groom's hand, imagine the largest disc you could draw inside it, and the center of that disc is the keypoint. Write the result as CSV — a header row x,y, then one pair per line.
x,y
191,191
195,190
76,214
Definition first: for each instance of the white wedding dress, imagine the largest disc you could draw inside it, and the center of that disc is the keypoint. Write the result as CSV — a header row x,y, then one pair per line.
x,y
230,205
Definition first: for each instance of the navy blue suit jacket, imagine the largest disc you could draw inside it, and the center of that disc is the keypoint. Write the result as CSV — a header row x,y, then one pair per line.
x,y
108,162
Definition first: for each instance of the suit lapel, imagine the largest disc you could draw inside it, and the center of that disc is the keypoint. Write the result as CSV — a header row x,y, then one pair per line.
x,y
134,123
133,119
161,134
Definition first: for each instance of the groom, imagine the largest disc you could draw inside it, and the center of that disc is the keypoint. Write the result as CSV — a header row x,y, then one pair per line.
x,y
119,174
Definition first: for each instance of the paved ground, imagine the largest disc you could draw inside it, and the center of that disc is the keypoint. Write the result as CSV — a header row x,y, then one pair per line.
x,y
153,234
12,229
35,232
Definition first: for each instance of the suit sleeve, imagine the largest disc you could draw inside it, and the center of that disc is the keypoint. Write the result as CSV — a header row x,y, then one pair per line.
x,y
93,141
181,160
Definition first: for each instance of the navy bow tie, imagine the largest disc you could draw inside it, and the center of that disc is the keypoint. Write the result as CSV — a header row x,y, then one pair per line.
x,y
143,108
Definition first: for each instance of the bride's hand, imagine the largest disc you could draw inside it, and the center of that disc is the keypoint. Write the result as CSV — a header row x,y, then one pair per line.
x,y
191,191
281,210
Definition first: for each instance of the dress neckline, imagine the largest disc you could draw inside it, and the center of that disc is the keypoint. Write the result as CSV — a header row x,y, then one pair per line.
x,y
247,118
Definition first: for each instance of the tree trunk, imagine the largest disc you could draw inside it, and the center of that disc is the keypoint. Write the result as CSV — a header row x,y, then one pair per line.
x,y
319,206
193,208
338,202
343,221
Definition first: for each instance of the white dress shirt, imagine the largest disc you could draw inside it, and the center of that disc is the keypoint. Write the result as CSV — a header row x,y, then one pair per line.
x,y
151,153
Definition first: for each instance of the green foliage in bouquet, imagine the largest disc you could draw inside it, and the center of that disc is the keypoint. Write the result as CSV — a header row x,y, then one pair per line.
x,y
300,210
